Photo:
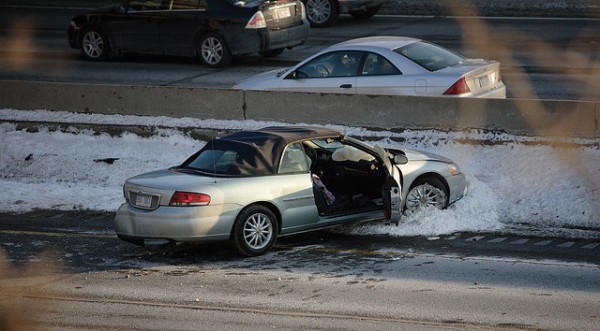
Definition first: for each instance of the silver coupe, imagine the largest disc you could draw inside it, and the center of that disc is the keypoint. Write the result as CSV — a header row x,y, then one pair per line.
x,y
251,187
389,66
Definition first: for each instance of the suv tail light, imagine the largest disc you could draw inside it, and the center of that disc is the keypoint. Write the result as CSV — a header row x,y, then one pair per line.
x,y
257,21
186,199
460,87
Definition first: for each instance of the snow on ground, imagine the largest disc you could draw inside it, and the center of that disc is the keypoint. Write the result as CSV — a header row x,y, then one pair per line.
x,y
516,184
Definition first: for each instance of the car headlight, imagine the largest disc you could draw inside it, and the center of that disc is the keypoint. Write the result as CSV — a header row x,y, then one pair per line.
x,y
453,168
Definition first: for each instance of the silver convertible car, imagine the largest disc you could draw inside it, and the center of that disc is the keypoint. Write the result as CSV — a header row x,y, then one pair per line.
x,y
386,65
252,186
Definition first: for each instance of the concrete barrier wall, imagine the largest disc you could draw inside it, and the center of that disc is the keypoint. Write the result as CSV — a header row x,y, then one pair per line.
x,y
528,117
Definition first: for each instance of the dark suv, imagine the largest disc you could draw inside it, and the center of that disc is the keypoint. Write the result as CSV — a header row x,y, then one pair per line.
x,y
322,13
214,30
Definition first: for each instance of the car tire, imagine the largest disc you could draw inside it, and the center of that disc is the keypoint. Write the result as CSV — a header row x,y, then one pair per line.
x,y
213,51
426,192
94,44
366,13
321,13
255,230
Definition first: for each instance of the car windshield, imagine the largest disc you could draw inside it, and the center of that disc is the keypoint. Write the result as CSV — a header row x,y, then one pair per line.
x,y
430,56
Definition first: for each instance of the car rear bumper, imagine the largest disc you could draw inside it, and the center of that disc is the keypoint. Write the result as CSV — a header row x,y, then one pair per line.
x,y
197,224
72,37
498,92
289,37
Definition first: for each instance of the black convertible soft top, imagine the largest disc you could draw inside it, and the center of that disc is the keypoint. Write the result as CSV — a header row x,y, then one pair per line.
x,y
259,151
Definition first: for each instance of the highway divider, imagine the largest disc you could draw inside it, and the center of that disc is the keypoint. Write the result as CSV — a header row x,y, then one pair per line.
x,y
545,118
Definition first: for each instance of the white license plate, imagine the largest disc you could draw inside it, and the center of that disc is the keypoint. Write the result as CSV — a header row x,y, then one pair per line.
x,y
485,81
143,201
280,13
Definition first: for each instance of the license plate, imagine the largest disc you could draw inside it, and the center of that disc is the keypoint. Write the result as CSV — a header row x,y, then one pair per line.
x,y
280,13
485,81
143,201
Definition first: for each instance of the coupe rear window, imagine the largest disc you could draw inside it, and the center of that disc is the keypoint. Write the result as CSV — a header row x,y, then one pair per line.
x,y
429,56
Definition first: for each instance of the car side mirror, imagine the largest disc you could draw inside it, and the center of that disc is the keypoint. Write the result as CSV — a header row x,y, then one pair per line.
x,y
400,159
297,74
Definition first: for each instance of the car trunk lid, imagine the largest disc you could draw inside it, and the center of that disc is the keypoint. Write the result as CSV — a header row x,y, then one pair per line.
x,y
480,75
281,14
153,189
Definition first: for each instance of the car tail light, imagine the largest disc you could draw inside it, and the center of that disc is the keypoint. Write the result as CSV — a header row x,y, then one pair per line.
x,y
186,199
303,8
257,21
460,87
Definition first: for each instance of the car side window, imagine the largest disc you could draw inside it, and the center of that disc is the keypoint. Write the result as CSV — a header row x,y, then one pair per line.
x,y
294,160
183,4
346,64
334,64
377,65
143,5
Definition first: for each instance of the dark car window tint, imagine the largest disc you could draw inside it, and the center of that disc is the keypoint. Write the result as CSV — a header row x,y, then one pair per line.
x,y
334,64
183,4
429,56
213,160
148,5
377,65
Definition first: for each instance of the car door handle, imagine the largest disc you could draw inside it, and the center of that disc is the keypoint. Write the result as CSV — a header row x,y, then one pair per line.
x,y
346,86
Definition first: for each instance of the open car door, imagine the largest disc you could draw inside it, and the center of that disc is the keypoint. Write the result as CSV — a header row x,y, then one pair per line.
x,y
392,191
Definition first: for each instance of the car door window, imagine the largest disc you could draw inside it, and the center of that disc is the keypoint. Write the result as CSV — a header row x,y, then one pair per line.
x,y
346,64
294,160
377,65
334,64
147,5
183,4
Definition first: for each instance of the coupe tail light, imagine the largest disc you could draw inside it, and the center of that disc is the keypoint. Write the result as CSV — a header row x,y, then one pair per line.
x,y
186,199
460,87
257,21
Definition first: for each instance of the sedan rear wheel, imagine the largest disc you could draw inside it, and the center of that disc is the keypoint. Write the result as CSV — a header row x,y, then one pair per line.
x,y
321,13
94,44
255,230
213,51
426,192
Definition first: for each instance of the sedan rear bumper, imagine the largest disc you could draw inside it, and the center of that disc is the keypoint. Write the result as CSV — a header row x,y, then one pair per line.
x,y
288,37
197,224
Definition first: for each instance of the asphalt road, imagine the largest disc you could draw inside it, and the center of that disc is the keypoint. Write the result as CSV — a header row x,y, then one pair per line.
x,y
67,270
541,58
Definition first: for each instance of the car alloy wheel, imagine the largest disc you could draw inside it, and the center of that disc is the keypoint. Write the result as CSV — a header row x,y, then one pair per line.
x,y
213,51
429,192
321,13
94,45
255,230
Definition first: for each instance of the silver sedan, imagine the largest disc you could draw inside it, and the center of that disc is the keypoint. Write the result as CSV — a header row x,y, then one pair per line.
x,y
252,186
389,66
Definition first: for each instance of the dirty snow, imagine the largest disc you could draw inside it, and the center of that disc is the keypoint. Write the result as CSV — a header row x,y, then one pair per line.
x,y
516,184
